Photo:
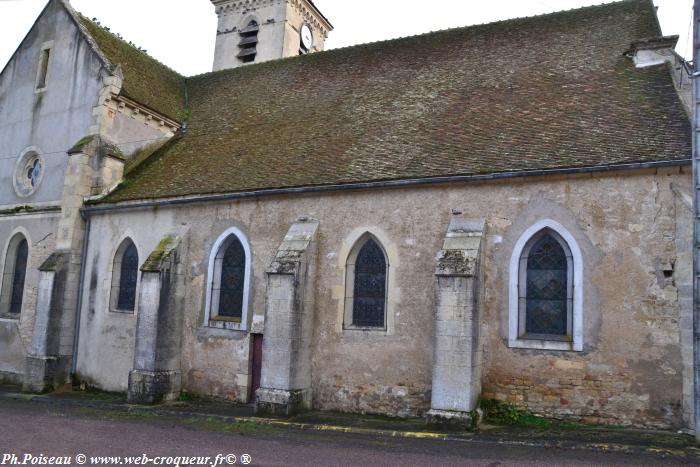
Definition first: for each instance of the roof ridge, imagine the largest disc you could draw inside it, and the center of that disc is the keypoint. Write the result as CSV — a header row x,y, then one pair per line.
x,y
424,34
126,43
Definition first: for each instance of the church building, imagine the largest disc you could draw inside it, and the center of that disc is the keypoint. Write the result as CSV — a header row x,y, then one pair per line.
x,y
500,211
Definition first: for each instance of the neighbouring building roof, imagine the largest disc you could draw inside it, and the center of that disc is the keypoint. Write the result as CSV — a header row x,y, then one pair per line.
x,y
145,79
546,92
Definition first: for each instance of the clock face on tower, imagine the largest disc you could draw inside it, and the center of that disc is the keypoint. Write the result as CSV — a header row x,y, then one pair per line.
x,y
307,37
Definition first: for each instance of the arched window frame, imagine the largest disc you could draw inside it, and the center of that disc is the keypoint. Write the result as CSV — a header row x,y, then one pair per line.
x,y
517,276
211,317
8,273
350,284
116,277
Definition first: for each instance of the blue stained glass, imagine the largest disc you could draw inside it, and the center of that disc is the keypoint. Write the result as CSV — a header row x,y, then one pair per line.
x,y
546,288
369,293
128,278
18,277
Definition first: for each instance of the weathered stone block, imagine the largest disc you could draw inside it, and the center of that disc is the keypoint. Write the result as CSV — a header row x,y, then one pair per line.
x,y
281,403
44,374
152,387
453,421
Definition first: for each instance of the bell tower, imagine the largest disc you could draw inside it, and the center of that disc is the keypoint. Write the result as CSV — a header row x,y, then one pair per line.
x,y
254,31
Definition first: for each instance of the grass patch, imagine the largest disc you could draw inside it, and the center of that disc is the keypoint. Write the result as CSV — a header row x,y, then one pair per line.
x,y
186,397
508,414
215,424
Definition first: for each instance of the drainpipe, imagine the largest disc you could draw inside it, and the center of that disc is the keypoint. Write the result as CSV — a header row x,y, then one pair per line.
x,y
79,305
696,214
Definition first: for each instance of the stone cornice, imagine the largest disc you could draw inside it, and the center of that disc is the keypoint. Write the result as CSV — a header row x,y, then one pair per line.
x,y
223,6
312,15
143,114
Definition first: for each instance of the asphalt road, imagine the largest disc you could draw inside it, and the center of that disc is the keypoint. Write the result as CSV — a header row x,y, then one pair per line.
x,y
38,429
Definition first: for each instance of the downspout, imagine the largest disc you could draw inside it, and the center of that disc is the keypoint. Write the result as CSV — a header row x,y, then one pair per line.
x,y
696,220
79,305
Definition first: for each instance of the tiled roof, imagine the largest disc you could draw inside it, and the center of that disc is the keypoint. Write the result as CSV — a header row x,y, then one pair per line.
x,y
552,91
146,80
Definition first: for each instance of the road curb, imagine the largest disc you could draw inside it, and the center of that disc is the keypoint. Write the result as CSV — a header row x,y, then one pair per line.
x,y
688,452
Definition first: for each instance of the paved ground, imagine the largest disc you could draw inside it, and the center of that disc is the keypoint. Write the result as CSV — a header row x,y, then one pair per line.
x,y
37,428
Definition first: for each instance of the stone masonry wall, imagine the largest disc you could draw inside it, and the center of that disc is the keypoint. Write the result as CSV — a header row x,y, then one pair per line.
x,y
631,370
16,335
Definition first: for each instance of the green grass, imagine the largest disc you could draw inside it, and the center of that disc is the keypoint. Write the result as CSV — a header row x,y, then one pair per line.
x,y
507,414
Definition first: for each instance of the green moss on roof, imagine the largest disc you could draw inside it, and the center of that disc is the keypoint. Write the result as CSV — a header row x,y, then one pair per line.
x,y
143,154
146,80
547,92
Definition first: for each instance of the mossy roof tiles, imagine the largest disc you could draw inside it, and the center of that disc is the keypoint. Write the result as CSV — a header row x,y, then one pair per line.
x,y
146,80
552,91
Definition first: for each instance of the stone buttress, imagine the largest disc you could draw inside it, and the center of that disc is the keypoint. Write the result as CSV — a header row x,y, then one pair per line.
x,y
156,375
285,386
457,354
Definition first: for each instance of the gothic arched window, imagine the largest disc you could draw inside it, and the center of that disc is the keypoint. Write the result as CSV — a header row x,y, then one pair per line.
x,y
229,276
232,281
125,274
366,285
546,287
545,306
14,275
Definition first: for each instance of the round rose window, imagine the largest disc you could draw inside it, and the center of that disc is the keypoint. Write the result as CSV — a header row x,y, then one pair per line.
x,y
28,173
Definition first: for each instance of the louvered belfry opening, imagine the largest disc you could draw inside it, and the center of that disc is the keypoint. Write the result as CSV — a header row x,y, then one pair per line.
x,y
249,42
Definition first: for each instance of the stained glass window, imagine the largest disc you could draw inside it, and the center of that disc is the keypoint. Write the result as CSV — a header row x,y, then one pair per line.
x,y
546,290
232,280
34,172
369,292
18,277
127,279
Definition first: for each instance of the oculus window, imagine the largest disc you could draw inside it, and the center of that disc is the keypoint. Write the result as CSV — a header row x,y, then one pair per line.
x,y
29,172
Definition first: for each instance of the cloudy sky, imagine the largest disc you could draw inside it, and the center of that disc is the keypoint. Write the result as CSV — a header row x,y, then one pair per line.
x,y
181,33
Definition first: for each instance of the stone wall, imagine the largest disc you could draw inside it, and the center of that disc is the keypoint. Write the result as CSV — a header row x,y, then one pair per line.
x,y
51,120
16,334
631,369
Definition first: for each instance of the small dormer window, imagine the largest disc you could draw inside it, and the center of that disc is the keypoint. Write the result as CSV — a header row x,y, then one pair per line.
x,y
43,71
249,42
